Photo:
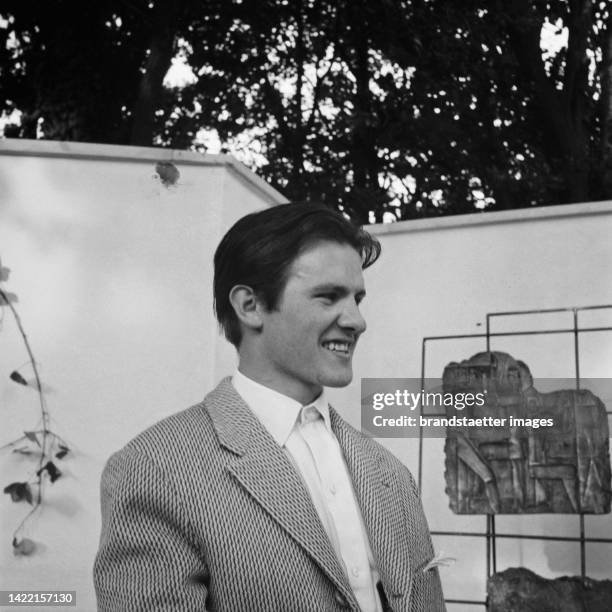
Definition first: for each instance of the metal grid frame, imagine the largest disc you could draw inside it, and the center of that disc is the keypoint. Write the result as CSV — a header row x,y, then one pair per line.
x,y
490,534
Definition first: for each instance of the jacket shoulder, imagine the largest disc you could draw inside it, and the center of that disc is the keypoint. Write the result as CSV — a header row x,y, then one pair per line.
x,y
174,427
170,440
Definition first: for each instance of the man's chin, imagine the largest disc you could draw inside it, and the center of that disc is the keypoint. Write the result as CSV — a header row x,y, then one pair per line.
x,y
338,380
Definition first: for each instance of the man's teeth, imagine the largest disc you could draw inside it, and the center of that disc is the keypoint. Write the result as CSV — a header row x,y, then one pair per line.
x,y
337,346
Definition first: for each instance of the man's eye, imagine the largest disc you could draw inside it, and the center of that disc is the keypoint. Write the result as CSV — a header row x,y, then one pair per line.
x,y
328,297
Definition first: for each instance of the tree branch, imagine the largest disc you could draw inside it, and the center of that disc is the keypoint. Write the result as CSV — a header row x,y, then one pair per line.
x,y
606,107
44,414
576,65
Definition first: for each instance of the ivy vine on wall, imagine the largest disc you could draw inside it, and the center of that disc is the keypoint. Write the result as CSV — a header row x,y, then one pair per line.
x,y
44,447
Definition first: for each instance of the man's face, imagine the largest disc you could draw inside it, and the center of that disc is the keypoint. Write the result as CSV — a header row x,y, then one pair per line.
x,y
309,339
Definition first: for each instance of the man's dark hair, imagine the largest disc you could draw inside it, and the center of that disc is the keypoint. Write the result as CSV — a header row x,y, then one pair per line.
x,y
259,249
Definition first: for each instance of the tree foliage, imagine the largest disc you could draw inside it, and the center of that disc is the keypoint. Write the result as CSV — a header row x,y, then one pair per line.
x,y
374,106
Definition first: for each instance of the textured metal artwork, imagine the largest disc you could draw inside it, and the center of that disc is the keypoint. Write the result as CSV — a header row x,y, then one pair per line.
x,y
518,590
523,466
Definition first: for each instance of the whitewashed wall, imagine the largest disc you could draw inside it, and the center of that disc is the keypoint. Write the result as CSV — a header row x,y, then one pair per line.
x,y
113,271
441,277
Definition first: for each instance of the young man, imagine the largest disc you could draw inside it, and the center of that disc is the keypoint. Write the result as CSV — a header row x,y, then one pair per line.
x,y
262,498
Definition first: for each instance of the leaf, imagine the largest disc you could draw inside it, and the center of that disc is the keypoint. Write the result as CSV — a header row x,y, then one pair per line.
x,y
18,378
23,547
31,435
10,297
24,450
4,272
63,451
51,469
19,491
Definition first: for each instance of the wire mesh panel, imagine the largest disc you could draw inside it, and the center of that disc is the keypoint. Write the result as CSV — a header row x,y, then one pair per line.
x,y
579,533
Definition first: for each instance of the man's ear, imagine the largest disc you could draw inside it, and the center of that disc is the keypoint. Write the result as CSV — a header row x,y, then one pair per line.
x,y
246,306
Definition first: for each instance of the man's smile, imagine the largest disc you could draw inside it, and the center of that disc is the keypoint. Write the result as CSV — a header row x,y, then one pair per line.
x,y
340,347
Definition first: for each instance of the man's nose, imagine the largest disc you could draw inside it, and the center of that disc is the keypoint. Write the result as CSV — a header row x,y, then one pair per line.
x,y
351,318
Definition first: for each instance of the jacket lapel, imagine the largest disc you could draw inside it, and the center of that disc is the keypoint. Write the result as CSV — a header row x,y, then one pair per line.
x,y
267,474
376,488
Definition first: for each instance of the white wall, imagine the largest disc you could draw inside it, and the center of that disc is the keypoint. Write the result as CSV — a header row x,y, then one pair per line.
x,y
113,272
114,276
441,277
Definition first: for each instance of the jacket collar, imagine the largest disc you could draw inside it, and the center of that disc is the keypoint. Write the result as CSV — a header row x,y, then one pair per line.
x,y
264,470
377,488
277,412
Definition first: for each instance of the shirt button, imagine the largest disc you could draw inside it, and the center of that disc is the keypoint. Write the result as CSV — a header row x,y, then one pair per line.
x,y
332,489
355,571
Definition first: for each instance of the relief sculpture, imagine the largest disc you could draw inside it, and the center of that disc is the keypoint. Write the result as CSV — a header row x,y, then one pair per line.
x,y
517,589
525,465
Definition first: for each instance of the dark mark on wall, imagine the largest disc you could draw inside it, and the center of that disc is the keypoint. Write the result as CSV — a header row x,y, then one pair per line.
x,y
168,173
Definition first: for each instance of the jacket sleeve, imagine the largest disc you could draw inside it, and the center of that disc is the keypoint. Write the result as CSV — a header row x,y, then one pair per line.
x,y
148,559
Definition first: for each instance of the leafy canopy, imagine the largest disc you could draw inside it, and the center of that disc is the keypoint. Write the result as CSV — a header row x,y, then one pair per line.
x,y
386,109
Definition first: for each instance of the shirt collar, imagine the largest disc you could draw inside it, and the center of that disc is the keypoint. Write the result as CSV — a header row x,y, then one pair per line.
x,y
277,412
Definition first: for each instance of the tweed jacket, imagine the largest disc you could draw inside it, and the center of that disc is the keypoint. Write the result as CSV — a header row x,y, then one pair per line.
x,y
204,511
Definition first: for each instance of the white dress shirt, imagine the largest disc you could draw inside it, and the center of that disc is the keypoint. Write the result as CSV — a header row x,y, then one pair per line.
x,y
305,433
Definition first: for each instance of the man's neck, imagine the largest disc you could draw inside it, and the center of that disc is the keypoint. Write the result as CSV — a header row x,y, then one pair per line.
x,y
293,389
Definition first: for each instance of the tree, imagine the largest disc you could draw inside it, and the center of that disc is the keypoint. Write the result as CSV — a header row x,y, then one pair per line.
x,y
92,75
381,108
69,71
